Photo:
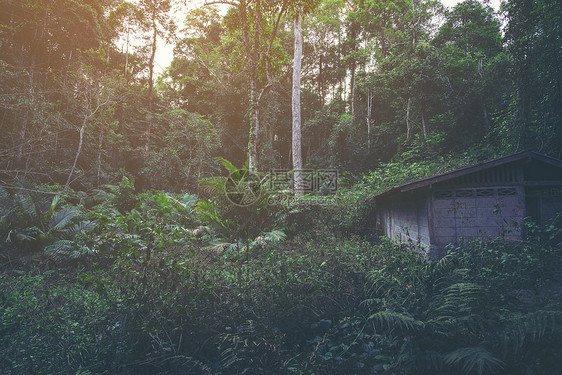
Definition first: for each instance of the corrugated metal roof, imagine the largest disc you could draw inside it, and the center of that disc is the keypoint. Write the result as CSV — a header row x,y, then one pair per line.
x,y
426,181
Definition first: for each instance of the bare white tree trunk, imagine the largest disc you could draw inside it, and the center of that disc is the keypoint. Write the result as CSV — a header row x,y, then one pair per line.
x,y
408,124
254,128
369,98
80,142
424,127
297,156
100,152
151,79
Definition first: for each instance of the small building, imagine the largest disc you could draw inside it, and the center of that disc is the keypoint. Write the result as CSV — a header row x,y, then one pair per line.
x,y
486,200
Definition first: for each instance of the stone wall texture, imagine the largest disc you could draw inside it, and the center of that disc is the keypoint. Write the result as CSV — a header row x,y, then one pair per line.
x,y
405,219
476,216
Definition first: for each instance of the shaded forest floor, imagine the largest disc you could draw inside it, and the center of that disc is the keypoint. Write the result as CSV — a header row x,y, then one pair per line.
x,y
122,282
315,304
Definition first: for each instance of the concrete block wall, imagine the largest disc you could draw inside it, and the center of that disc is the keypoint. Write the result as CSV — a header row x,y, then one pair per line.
x,y
404,219
550,205
477,217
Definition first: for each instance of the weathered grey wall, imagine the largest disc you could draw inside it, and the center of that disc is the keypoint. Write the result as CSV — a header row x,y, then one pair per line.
x,y
550,205
404,219
477,216
488,202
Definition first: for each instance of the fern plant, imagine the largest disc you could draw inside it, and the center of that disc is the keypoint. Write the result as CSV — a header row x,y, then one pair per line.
x,y
34,221
459,316
235,226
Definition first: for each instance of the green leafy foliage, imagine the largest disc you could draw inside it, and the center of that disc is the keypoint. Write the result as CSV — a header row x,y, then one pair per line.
x,y
154,294
34,221
237,222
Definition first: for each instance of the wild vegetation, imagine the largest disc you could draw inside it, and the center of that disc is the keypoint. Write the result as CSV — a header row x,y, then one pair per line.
x,y
122,253
157,283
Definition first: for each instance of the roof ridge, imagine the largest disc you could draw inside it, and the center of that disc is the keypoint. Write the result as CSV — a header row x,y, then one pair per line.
x,y
514,157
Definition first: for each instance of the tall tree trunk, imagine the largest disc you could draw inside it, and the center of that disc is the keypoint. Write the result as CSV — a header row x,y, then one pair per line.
x,y
27,111
369,99
254,55
78,151
352,91
423,126
408,123
254,127
297,156
151,79
127,54
21,141
486,119
321,79
100,152
353,31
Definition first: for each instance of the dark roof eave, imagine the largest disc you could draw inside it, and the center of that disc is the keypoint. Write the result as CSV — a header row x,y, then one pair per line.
x,y
428,181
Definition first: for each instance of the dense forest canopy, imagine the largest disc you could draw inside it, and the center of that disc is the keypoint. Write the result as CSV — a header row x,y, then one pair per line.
x,y
126,249
81,103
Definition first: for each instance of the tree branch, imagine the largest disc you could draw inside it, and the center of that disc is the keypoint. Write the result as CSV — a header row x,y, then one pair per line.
x,y
225,2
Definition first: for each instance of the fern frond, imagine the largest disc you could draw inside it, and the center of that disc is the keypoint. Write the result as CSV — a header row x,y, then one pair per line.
x,y
220,247
419,362
22,236
54,204
395,320
229,357
189,201
82,226
273,237
62,247
26,204
61,219
215,185
457,298
234,247
474,360
527,328
6,202
209,212
231,168
442,263
112,188
67,248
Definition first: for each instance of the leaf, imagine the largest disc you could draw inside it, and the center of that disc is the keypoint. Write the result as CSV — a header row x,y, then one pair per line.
x,y
62,218
228,166
83,226
474,358
54,205
60,247
395,320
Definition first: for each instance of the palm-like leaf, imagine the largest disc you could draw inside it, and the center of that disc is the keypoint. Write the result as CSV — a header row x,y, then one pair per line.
x,y
82,226
526,328
209,213
54,204
61,247
474,360
231,168
395,320
273,237
214,185
27,205
62,218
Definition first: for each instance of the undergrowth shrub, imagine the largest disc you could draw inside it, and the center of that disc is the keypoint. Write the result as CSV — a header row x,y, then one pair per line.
x,y
487,307
154,298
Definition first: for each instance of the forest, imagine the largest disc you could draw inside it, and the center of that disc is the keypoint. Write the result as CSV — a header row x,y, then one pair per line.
x,y
217,215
